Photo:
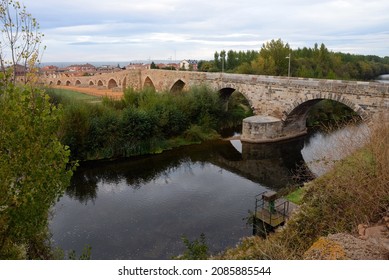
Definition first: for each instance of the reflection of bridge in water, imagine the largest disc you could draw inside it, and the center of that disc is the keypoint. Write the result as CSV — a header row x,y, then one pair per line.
x,y
269,165
281,104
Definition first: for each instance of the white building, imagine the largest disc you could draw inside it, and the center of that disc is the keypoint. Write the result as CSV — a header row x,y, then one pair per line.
x,y
188,64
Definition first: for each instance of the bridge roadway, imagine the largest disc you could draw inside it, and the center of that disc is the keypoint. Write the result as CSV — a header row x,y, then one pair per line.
x,y
280,104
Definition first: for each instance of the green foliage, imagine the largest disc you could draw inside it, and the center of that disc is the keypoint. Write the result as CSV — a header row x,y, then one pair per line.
x,y
65,96
196,249
33,163
272,59
231,61
296,196
315,62
144,122
21,40
60,254
329,112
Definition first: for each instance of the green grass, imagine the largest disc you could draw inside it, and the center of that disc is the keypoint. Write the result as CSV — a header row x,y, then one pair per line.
x,y
74,95
296,196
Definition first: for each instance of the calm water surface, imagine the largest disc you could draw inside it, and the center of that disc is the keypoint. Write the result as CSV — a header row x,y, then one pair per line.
x,y
140,208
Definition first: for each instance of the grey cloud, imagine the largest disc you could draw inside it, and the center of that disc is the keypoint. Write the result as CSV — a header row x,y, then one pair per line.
x,y
201,27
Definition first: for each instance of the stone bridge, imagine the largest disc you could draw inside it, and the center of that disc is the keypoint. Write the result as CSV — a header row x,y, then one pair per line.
x,y
280,104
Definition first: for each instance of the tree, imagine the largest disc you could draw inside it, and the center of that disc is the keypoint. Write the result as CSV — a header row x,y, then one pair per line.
x,y
153,65
34,165
20,46
272,58
232,60
223,59
216,61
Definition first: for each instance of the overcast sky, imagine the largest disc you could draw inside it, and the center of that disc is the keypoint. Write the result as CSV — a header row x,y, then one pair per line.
x,y
125,30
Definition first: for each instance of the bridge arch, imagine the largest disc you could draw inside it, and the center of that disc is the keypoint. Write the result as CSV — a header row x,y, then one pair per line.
x,y
148,83
177,87
227,92
112,84
91,83
78,83
58,82
100,83
295,117
68,83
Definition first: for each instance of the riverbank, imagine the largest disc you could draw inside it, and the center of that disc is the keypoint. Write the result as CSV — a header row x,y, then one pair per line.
x,y
354,192
144,122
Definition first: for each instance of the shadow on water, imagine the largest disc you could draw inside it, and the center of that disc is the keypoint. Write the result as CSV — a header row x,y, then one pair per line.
x,y
139,208
271,165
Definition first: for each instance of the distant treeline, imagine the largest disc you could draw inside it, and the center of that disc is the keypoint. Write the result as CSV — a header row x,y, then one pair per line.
x,y
316,62
144,122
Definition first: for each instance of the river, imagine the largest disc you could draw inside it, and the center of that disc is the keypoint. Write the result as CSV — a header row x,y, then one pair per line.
x,y
140,208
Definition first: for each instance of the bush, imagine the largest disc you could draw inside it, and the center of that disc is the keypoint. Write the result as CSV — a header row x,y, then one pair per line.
x,y
33,168
142,122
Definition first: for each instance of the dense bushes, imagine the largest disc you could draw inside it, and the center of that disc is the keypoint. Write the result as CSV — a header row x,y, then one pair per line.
x,y
34,169
144,122
328,112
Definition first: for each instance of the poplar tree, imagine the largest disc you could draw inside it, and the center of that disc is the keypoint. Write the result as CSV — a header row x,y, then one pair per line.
x,y
20,45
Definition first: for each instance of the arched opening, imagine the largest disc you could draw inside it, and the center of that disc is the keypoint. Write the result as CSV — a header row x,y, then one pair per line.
x,y
112,84
58,83
91,83
237,108
225,93
68,83
100,83
177,87
78,83
51,83
319,112
148,83
328,112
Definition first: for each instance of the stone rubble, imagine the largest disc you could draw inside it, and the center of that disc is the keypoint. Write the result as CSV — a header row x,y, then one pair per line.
x,y
372,243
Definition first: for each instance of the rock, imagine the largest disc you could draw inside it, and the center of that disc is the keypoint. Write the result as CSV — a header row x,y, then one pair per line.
x,y
342,246
325,249
361,229
376,231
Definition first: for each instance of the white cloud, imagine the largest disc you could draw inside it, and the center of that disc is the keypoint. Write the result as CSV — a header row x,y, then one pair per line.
x,y
94,29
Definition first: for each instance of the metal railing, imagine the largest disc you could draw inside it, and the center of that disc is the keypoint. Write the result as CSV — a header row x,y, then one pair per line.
x,y
273,213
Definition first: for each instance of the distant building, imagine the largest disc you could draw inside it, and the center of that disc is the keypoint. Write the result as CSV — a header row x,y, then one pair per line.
x,y
134,66
81,68
20,70
50,69
188,65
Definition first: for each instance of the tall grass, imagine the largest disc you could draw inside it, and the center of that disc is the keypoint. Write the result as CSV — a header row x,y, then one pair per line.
x,y
355,191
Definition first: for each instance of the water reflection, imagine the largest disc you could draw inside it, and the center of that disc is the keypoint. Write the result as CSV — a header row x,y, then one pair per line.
x,y
140,208
323,149
270,165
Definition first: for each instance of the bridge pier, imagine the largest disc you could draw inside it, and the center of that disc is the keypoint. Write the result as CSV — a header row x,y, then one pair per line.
x,y
265,129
